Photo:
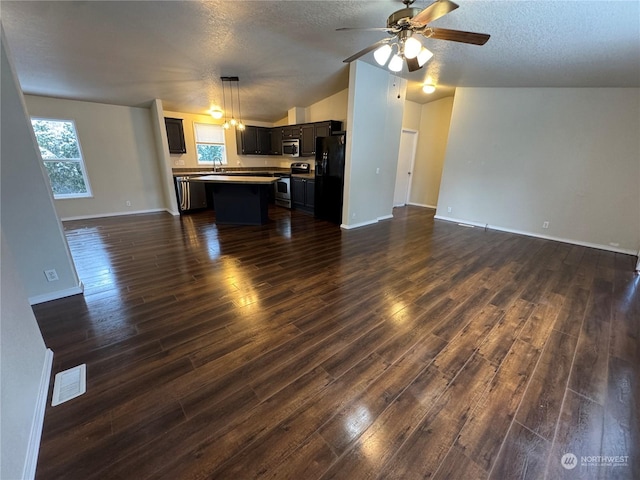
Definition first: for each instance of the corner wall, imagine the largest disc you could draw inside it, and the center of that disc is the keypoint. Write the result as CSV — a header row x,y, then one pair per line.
x,y
29,238
118,146
435,119
29,221
518,157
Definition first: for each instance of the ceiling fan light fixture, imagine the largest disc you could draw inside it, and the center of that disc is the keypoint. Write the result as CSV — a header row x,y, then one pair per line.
x,y
424,56
395,64
381,55
412,47
428,88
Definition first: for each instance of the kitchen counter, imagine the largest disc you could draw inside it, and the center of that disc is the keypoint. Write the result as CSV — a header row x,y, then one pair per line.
x,y
235,179
239,200
251,172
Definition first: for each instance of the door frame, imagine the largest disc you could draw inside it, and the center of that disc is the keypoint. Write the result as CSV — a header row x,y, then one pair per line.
x,y
415,134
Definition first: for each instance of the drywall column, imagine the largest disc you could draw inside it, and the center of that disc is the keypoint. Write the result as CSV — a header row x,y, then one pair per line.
x,y
29,221
164,158
374,126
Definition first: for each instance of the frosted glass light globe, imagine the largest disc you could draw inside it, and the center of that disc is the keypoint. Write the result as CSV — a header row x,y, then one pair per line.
x,y
395,65
382,54
412,47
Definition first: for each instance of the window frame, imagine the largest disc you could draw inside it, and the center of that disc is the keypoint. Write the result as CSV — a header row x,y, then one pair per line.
x,y
80,160
223,144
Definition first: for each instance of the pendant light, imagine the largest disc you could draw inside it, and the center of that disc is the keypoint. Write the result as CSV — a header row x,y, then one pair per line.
x,y
233,121
240,125
225,125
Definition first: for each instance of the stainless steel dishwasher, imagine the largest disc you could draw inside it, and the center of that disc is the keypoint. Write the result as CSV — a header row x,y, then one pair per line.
x,y
191,195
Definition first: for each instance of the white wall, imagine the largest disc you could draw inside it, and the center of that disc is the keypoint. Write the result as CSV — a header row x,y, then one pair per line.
x,y
374,125
570,156
32,231
25,368
28,217
119,153
330,108
411,115
434,124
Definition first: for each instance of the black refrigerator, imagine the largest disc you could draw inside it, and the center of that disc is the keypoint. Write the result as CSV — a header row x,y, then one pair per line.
x,y
329,186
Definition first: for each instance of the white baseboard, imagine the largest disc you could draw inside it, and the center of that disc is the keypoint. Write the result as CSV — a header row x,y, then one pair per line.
x,y
386,217
537,235
423,205
118,214
47,297
33,448
358,225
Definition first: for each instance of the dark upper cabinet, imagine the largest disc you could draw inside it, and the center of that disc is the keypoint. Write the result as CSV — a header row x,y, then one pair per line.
x,y
253,140
290,131
326,129
275,141
307,140
175,135
309,132
268,141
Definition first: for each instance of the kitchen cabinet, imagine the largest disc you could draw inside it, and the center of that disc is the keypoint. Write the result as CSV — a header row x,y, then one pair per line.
x,y
290,131
307,140
175,135
253,140
275,140
268,141
309,132
303,193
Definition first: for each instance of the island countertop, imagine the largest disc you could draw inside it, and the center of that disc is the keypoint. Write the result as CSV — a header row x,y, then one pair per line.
x,y
246,179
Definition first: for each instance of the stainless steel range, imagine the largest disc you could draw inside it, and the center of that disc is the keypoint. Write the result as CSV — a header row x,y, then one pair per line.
x,y
283,185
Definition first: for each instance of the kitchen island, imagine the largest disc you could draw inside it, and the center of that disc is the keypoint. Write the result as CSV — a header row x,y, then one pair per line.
x,y
239,199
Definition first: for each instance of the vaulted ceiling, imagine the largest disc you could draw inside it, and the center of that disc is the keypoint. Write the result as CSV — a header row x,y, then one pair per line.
x,y
288,53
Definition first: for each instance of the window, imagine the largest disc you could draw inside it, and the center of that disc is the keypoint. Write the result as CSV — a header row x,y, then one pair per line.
x,y
60,150
210,144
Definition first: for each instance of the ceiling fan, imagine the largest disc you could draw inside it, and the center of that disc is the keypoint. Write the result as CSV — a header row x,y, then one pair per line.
x,y
404,26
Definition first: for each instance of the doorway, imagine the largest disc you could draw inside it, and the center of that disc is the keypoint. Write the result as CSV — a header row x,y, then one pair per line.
x,y
406,161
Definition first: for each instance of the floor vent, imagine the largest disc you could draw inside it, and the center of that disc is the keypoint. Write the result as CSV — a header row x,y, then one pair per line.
x,y
69,384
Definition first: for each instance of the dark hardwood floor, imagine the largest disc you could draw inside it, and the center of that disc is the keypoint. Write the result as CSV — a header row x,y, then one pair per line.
x,y
413,348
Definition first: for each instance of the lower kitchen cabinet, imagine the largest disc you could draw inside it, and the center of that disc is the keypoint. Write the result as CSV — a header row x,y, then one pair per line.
x,y
303,194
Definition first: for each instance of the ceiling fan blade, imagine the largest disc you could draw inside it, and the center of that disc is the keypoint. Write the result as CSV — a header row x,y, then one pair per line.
x,y
434,11
363,29
456,36
370,48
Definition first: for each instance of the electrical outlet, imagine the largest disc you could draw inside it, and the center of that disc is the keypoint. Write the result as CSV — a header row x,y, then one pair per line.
x,y
448,209
353,215
51,275
545,224
377,171
128,203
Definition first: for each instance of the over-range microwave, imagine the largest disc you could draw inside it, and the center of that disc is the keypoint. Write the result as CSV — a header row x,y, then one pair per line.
x,y
291,148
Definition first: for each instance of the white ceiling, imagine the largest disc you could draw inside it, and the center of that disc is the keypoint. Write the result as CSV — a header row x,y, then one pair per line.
x,y
287,53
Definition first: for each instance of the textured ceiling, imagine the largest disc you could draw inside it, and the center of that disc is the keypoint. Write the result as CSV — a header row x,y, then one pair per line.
x,y
287,53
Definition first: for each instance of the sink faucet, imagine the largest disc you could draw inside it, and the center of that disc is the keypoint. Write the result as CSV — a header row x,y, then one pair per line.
x,y
219,167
